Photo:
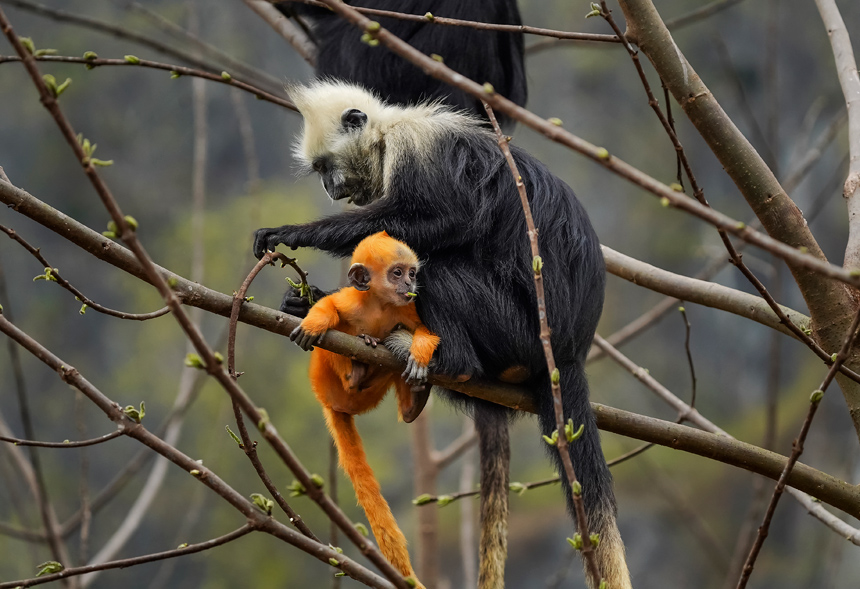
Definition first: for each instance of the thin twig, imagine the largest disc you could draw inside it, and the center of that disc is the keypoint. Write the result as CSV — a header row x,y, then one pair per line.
x,y
699,194
122,33
293,34
849,81
796,257
129,562
66,444
609,419
249,447
258,519
88,302
797,449
213,366
177,70
204,49
481,26
562,441
687,329
46,509
816,510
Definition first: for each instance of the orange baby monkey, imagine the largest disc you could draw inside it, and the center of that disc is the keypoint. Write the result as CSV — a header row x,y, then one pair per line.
x,y
379,298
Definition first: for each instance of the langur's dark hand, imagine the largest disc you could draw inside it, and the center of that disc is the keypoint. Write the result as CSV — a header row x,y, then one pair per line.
x,y
266,240
297,305
304,339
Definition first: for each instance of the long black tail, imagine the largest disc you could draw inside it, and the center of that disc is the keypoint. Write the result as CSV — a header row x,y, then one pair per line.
x,y
591,471
491,423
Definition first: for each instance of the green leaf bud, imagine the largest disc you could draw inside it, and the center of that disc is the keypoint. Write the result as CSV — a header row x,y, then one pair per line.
x,y
602,153
132,222
555,121
28,44
537,264
488,88
362,529
226,77
422,499
318,481
373,27
133,60
816,396
194,361
234,436
555,377
90,55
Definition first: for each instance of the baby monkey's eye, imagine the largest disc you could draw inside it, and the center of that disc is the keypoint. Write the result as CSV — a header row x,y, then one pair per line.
x,y
398,272
412,273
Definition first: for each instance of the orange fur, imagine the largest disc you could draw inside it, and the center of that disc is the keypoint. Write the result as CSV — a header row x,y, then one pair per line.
x,y
374,312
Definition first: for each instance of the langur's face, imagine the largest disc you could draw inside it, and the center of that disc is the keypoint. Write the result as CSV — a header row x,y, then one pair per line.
x,y
350,161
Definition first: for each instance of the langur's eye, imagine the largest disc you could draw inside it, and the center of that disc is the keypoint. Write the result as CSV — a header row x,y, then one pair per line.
x,y
412,273
352,118
398,272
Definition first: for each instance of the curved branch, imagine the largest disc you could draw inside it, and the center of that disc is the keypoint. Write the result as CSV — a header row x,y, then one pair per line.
x,y
88,302
81,444
481,26
220,78
121,33
128,562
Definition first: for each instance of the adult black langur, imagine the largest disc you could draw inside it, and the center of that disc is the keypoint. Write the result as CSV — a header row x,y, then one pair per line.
x,y
435,178
483,56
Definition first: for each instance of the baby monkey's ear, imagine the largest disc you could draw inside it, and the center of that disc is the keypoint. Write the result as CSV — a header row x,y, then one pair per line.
x,y
359,277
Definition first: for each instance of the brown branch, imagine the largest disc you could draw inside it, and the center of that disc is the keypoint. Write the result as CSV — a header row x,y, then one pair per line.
x,y
562,441
293,34
37,477
129,562
66,444
831,305
698,193
259,78
797,449
481,26
135,430
202,48
608,418
55,276
443,458
180,71
799,494
247,446
792,252
207,354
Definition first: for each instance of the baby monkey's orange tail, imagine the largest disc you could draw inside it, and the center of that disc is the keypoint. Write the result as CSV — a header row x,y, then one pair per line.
x,y
391,540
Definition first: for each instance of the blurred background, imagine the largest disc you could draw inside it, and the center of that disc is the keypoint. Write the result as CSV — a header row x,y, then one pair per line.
x,y
680,515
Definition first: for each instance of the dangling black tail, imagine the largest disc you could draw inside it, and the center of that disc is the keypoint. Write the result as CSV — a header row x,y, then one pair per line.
x,y
591,472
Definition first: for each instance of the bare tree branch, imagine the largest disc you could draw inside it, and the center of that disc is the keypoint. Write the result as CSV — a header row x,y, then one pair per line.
x,y
66,444
294,35
849,79
221,78
122,33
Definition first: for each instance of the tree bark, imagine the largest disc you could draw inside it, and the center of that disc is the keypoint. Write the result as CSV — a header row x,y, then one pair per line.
x,y
831,304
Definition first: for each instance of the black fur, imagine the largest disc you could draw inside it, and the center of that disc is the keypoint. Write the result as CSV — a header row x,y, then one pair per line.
x,y
464,220
483,56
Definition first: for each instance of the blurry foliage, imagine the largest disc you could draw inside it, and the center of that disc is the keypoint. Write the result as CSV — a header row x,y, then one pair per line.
x,y
142,120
